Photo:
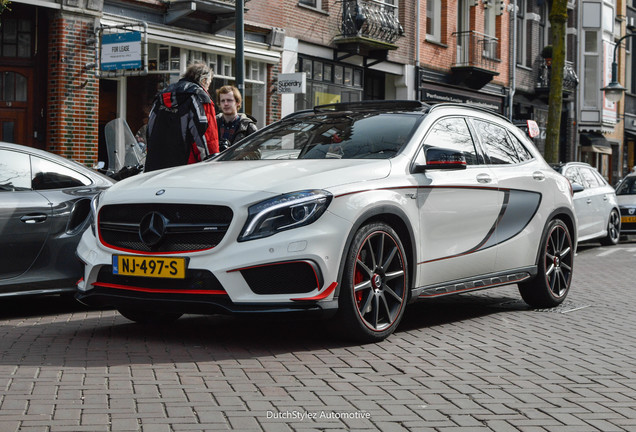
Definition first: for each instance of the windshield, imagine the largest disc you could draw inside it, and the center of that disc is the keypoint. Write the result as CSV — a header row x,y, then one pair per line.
x,y
627,186
329,136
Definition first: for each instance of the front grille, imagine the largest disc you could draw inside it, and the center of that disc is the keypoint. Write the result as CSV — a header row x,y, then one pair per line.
x,y
195,280
189,227
627,226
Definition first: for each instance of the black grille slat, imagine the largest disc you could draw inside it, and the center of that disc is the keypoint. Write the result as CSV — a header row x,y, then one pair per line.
x,y
190,227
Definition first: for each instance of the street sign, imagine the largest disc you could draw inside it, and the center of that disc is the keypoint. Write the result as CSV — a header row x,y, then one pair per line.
x,y
121,51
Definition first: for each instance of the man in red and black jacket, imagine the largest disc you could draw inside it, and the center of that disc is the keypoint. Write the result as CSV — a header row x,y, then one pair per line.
x,y
182,125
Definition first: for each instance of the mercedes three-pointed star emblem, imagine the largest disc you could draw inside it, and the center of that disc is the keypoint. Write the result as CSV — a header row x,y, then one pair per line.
x,y
152,228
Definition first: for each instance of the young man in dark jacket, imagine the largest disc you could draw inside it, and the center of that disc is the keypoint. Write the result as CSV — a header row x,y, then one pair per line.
x,y
231,125
182,125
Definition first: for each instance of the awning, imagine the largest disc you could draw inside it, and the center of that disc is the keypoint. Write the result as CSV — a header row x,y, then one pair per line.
x,y
595,142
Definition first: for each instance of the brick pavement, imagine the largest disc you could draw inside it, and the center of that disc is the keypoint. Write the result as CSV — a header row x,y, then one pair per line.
x,y
479,362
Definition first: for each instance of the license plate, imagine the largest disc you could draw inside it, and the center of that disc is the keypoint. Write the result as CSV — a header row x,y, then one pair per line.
x,y
628,219
158,267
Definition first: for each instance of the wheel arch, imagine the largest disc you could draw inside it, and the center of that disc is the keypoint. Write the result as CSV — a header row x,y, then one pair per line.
x,y
397,219
567,216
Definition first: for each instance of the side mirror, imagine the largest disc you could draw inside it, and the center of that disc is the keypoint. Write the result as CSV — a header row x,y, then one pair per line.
x,y
577,188
438,158
100,165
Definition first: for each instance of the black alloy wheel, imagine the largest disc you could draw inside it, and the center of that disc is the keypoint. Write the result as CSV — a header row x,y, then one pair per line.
x,y
613,229
556,261
374,290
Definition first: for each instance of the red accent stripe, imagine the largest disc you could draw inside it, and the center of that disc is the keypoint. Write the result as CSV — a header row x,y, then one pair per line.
x,y
153,290
167,99
321,296
78,282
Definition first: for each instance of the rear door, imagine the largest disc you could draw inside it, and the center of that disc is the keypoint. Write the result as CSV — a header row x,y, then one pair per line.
x,y
583,202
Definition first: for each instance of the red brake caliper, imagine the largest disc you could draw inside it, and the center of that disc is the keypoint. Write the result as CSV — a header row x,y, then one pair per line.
x,y
357,278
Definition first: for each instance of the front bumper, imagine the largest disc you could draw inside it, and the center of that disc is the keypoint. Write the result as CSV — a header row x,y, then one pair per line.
x,y
292,271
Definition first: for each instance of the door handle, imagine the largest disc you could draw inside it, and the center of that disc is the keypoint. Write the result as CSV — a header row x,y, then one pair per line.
x,y
34,218
589,201
538,175
484,178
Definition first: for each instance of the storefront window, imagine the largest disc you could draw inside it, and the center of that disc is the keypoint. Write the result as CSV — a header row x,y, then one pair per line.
x,y
329,82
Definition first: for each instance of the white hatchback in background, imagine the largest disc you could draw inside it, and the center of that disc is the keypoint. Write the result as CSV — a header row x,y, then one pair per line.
x,y
595,203
352,211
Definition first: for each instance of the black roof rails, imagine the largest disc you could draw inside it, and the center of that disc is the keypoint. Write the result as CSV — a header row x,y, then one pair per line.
x,y
468,105
397,105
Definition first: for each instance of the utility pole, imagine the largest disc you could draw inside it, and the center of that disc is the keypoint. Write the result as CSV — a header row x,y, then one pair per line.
x,y
558,20
239,42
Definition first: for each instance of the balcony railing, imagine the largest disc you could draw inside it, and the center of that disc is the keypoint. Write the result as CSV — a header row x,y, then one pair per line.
x,y
476,50
373,19
570,79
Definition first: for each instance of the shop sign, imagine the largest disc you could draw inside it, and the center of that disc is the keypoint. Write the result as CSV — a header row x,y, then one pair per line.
x,y
292,83
121,51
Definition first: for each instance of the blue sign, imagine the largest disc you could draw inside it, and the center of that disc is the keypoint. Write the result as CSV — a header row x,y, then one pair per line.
x,y
121,51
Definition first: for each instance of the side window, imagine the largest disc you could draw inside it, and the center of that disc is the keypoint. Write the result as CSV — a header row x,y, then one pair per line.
x,y
522,151
15,171
573,175
453,133
589,177
48,175
600,178
496,143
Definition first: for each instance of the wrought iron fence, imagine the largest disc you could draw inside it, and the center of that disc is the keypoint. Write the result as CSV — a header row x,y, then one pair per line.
x,y
476,49
375,19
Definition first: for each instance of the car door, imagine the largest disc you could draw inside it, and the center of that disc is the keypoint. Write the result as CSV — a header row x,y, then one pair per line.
x,y
522,183
583,202
597,201
24,215
458,209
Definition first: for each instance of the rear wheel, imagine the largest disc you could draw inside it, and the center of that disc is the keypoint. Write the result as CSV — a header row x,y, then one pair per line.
x,y
374,289
613,229
149,317
551,285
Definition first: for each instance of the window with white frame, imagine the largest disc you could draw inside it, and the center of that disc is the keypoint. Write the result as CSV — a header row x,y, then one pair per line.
x,y
591,69
490,30
434,20
522,34
317,4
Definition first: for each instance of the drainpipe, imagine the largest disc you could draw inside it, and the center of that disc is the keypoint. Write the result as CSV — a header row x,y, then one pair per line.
x,y
417,50
513,73
238,46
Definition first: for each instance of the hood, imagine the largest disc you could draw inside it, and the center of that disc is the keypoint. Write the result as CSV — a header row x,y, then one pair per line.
x,y
626,200
272,176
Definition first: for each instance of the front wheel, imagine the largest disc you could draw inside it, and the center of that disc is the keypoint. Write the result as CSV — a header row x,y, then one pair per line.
x,y
556,260
613,229
374,287
149,317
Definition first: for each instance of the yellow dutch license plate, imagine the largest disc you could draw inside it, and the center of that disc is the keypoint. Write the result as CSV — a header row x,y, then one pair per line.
x,y
628,219
158,267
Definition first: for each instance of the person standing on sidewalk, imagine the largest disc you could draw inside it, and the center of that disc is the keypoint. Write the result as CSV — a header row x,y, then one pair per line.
x,y
182,127
231,125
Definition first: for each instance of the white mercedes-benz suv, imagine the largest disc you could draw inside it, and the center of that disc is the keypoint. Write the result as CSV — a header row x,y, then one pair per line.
x,y
353,210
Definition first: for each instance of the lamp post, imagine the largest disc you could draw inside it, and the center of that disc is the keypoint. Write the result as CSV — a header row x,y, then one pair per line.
x,y
614,90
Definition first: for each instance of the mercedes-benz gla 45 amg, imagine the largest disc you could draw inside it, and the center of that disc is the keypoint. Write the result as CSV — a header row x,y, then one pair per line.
x,y
351,210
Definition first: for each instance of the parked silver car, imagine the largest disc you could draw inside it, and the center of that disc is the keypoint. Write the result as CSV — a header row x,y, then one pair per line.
x,y
595,203
44,209
626,194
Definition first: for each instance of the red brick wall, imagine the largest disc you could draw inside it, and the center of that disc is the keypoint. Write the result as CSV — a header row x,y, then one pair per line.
x,y
73,92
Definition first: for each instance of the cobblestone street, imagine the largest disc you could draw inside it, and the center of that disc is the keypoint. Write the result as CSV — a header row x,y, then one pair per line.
x,y
477,362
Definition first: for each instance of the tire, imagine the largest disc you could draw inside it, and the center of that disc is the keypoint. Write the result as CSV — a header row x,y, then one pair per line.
x,y
374,289
613,230
149,317
556,260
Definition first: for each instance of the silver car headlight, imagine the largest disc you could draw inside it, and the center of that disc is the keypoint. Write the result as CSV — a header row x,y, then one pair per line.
x,y
94,206
284,212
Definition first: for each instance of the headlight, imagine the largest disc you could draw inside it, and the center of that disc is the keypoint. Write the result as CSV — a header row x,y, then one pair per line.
x,y
284,212
94,205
